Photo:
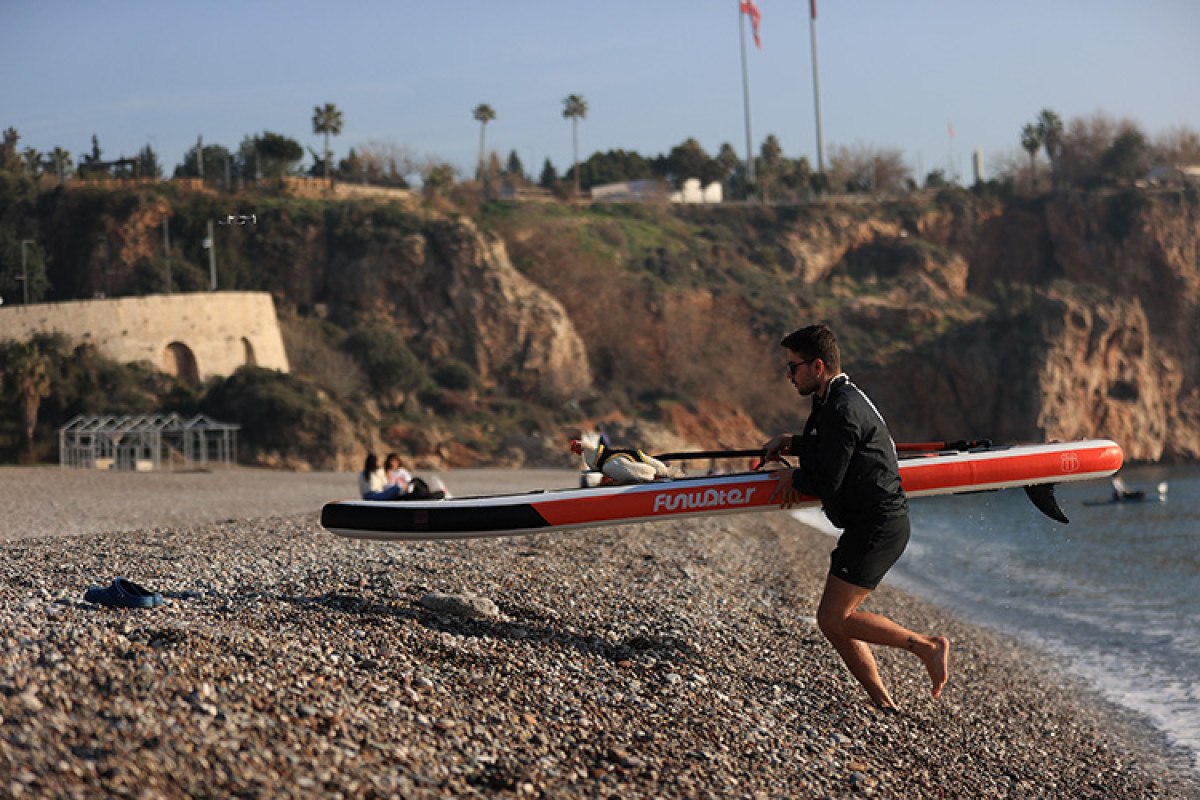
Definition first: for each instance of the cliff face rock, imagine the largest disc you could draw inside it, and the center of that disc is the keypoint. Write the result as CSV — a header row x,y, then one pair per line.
x,y
1105,375
815,249
458,294
978,380
1098,340
715,426
1143,250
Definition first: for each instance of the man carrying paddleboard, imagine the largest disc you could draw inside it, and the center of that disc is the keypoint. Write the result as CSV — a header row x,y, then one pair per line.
x,y
847,458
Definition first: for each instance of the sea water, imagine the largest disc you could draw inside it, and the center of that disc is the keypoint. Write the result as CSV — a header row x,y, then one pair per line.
x,y
1114,594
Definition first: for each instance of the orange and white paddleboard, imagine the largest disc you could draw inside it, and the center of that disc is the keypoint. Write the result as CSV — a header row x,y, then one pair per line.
x,y
1035,467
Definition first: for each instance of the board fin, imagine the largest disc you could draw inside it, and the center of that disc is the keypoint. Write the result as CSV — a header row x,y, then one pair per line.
x,y
1043,497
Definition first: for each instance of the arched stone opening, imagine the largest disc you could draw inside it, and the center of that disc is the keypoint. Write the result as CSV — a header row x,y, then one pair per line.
x,y
248,350
178,360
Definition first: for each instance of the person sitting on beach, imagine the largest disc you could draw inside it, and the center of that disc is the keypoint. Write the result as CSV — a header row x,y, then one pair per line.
x,y
397,474
373,481
847,458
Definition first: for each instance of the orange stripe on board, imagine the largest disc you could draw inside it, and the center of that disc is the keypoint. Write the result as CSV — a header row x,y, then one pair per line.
x,y
665,502
918,477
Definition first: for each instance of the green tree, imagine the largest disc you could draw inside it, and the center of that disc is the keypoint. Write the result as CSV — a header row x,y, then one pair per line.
x,y
771,164
514,168
575,108
147,163
483,115
687,160
936,179
797,177
61,159
1127,158
1050,134
549,177
33,162
327,121
1031,142
213,156
437,178
10,161
277,154
727,162
615,166
1084,145
28,374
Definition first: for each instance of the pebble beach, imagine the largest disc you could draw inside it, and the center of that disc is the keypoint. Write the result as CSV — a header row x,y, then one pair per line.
x,y
678,659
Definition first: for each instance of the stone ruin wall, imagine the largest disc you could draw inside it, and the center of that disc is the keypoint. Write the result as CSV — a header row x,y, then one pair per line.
x,y
193,336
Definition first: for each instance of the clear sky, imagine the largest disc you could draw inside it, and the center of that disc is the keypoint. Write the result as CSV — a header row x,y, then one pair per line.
x,y
893,73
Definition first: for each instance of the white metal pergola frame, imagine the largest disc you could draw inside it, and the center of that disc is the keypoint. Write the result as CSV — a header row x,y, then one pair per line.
x,y
146,441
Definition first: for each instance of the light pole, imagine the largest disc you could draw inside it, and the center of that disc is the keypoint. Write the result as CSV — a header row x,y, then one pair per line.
x,y
25,270
107,281
812,29
211,245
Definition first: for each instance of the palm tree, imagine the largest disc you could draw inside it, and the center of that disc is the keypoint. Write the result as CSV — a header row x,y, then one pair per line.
x,y
483,115
327,120
62,163
575,108
1050,131
33,162
1031,140
29,372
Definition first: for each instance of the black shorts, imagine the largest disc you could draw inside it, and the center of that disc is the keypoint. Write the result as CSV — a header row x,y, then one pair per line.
x,y
865,552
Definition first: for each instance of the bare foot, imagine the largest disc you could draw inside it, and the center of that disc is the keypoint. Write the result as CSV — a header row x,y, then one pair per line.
x,y
881,699
937,662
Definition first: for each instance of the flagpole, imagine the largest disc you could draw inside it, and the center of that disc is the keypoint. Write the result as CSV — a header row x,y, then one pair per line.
x,y
953,176
812,27
746,99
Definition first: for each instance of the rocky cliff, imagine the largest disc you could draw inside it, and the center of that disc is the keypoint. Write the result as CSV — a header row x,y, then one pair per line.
x,y
1063,316
454,291
1092,330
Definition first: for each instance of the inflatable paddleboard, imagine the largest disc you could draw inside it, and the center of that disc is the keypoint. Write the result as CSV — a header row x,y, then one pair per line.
x,y
1034,467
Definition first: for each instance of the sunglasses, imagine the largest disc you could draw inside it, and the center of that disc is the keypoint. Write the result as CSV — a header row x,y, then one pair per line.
x,y
792,366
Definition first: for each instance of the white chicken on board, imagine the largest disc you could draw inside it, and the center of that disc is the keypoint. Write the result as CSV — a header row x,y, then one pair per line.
x,y
619,466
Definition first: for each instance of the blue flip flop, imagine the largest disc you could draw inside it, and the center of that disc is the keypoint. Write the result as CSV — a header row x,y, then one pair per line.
x,y
123,594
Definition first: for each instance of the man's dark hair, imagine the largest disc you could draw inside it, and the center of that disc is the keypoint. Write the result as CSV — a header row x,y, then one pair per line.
x,y
816,341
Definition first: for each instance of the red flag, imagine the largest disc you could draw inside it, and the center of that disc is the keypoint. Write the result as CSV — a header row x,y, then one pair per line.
x,y
812,8
748,7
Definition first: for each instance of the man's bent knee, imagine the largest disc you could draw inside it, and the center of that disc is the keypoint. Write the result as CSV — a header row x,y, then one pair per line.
x,y
831,623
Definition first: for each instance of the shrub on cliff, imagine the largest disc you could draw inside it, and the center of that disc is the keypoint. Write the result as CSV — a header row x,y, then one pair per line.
x,y
393,370
456,375
285,420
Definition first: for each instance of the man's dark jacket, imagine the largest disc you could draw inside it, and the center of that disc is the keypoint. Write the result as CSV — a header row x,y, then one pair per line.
x,y
848,459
